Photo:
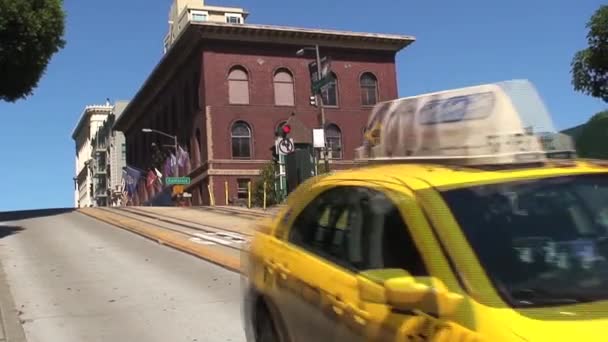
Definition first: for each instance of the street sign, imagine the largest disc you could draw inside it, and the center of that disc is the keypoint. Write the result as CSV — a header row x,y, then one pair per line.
x,y
284,146
325,69
178,181
319,81
317,86
318,137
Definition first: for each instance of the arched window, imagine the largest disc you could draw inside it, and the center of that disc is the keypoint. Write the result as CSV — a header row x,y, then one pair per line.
x,y
369,89
330,92
238,86
283,88
333,135
241,140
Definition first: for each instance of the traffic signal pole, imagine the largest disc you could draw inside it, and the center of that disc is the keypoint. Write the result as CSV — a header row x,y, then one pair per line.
x,y
322,109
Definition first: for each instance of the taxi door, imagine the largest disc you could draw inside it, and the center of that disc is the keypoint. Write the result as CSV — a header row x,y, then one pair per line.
x,y
303,273
396,239
326,248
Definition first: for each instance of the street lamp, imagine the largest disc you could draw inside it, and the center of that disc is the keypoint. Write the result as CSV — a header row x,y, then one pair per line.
x,y
301,52
150,130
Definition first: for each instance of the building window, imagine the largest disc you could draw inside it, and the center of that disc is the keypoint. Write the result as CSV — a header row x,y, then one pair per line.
x,y
242,188
124,151
333,135
241,140
199,16
238,86
330,92
283,88
233,18
369,89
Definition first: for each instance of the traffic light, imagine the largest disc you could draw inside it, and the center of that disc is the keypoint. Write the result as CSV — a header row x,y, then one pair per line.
x,y
285,130
313,100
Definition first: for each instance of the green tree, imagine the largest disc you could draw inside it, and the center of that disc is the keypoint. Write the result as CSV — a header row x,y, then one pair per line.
x,y
257,188
31,32
590,65
321,167
592,141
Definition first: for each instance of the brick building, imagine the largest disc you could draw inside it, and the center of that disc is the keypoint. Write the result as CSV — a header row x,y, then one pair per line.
x,y
223,89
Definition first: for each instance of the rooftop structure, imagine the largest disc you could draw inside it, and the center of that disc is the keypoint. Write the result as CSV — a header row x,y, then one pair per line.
x,y
183,12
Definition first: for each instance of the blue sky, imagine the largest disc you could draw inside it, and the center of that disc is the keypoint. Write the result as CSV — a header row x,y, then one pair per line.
x,y
113,45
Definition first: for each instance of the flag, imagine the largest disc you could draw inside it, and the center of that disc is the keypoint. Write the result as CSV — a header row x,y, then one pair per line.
x,y
159,180
132,177
173,163
150,178
181,157
167,169
184,161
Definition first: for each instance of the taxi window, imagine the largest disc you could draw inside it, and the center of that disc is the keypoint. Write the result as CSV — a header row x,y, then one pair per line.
x,y
542,242
359,229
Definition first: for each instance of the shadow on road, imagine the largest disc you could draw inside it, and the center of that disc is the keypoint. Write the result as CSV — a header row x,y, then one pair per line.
x,y
29,214
9,230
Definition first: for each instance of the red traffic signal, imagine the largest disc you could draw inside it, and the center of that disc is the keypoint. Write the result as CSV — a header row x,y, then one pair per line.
x,y
286,129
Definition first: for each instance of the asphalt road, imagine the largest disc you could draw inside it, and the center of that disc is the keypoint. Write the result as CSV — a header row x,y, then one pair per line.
x,y
76,279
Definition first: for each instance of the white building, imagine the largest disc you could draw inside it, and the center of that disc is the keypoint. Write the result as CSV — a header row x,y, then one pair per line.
x,y
184,11
117,153
90,120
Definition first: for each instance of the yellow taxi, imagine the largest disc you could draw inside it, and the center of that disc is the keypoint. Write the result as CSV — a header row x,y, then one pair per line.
x,y
408,250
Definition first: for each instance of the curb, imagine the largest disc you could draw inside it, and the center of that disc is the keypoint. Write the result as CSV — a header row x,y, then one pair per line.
x,y
167,238
11,329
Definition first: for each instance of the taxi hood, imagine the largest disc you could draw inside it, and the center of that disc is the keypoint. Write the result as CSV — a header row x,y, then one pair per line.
x,y
583,322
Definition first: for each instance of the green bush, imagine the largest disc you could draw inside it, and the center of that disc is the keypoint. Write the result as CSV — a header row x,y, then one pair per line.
x,y
592,141
257,188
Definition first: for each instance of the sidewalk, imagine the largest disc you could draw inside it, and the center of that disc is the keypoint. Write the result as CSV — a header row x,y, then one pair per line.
x,y
269,211
234,222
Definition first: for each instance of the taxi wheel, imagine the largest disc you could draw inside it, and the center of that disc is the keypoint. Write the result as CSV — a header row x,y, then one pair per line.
x,y
265,329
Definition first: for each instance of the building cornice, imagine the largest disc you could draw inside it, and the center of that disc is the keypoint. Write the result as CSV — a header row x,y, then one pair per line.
x,y
302,36
86,113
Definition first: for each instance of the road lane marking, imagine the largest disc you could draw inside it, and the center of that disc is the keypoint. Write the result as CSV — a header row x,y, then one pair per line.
x,y
202,242
218,239
234,236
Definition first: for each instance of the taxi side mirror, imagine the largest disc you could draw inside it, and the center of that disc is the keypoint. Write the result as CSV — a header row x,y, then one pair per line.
x,y
399,289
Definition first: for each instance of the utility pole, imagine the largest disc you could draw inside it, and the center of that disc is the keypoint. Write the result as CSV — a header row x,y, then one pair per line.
x,y
322,109
175,145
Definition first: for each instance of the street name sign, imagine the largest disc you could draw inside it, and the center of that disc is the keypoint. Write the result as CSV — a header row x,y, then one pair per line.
x,y
178,181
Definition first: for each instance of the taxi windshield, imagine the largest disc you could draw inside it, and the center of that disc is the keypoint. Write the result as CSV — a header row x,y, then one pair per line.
x,y
542,242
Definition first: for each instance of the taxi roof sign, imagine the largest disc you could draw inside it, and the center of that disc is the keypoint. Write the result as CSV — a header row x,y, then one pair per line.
x,y
496,123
